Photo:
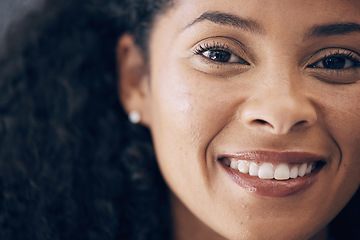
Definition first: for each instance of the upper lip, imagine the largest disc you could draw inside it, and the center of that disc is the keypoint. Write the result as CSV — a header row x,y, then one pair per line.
x,y
274,157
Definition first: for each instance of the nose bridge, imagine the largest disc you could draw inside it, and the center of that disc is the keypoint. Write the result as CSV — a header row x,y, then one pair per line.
x,y
279,106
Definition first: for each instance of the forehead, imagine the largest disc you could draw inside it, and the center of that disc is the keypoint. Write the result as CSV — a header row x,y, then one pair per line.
x,y
258,7
267,13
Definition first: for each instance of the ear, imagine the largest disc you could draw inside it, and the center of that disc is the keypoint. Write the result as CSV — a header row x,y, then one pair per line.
x,y
133,77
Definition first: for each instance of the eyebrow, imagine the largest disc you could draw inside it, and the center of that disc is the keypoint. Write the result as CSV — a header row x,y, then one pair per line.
x,y
333,29
252,26
228,20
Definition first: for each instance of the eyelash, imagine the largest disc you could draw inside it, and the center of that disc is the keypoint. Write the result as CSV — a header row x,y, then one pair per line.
x,y
351,56
214,46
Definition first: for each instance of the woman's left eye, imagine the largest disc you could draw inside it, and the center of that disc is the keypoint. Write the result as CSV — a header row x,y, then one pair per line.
x,y
336,62
338,66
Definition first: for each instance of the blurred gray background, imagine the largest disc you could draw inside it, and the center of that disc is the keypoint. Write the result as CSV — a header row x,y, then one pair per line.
x,y
12,10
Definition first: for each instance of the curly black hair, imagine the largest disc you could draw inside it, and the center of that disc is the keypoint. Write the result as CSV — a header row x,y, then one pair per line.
x,y
71,165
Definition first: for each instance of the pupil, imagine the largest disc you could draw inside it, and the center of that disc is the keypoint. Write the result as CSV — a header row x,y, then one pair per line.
x,y
334,62
219,56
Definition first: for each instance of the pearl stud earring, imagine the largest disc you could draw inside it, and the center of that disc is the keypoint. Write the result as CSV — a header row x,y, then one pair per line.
x,y
134,117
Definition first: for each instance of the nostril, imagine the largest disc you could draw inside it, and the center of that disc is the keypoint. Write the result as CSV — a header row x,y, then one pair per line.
x,y
262,122
300,123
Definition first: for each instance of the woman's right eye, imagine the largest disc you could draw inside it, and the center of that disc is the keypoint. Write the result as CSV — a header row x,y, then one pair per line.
x,y
219,53
223,56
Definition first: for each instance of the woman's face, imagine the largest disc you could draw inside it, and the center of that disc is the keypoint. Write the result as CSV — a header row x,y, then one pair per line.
x,y
273,86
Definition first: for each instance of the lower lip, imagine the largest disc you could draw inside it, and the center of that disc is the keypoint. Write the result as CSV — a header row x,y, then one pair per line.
x,y
271,188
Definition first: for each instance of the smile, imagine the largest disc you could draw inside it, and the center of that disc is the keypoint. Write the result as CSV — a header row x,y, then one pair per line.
x,y
273,174
282,171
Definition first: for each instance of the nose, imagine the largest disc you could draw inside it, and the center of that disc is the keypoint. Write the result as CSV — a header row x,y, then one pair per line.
x,y
278,112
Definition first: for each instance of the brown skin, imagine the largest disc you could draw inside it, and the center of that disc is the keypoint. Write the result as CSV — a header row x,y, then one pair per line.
x,y
197,108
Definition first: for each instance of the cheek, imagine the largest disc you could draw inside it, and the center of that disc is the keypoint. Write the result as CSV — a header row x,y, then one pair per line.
x,y
188,111
341,114
187,105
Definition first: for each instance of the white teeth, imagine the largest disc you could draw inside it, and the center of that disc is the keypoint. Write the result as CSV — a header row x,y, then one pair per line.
x,y
294,172
234,164
282,171
243,166
266,171
302,169
253,169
